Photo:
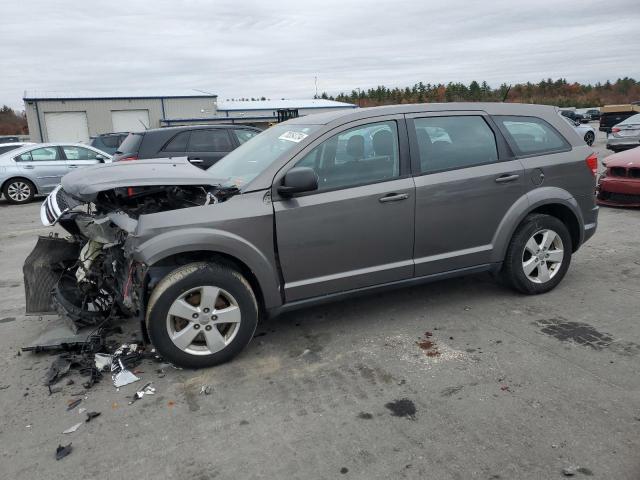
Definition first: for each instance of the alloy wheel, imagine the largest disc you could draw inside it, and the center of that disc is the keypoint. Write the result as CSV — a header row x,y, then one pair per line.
x,y
542,256
19,191
203,320
589,138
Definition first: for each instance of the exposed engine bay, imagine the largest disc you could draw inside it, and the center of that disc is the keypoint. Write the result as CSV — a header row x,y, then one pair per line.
x,y
88,277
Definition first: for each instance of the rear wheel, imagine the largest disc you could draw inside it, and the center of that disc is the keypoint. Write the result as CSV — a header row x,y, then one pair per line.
x,y
19,190
589,138
202,315
539,255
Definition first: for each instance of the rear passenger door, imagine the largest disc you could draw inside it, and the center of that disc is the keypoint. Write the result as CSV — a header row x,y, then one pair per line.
x,y
207,146
466,181
45,165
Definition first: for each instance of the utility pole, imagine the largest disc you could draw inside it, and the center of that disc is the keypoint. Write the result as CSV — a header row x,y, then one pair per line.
x,y
316,82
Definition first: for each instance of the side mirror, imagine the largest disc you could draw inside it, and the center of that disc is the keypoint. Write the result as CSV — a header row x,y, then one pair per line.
x,y
100,158
298,180
576,123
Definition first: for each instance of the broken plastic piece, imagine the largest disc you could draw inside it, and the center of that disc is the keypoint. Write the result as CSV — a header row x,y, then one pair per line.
x,y
102,361
62,452
73,428
205,389
74,404
123,376
91,416
146,390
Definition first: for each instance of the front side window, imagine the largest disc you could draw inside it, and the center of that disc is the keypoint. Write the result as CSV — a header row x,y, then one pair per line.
x,y
531,135
244,135
79,153
209,141
357,156
448,143
40,155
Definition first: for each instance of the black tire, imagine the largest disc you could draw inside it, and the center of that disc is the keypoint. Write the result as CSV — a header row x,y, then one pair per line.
x,y
589,138
10,191
189,277
513,270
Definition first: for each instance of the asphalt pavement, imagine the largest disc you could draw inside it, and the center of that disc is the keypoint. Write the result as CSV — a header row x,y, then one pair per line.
x,y
460,379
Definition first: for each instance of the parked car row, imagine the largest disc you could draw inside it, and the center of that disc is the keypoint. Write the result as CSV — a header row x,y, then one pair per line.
x,y
316,208
32,169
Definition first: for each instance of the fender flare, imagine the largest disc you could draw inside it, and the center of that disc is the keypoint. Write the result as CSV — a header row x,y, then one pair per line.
x,y
523,207
174,242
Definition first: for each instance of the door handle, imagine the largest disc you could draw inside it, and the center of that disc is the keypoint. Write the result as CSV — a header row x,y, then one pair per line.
x,y
195,160
73,166
28,167
507,178
393,197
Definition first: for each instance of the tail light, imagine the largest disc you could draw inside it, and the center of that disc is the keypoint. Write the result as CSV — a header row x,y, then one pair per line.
x,y
615,130
130,157
592,163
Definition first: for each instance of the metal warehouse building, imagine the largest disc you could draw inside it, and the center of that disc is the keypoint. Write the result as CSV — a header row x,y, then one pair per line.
x,y
74,117
57,117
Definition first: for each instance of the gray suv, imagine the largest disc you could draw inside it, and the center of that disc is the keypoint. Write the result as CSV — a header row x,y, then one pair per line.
x,y
315,209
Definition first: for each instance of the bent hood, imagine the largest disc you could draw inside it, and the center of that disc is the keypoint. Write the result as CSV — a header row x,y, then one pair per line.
x,y
627,158
85,184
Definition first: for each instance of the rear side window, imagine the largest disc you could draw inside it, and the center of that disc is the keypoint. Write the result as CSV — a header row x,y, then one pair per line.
x,y
110,141
244,135
79,153
131,144
531,135
209,141
447,143
178,143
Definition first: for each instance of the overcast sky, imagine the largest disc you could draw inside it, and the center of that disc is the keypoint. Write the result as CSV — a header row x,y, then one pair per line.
x,y
276,48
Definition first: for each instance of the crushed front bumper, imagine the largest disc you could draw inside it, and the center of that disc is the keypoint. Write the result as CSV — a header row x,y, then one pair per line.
x,y
619,192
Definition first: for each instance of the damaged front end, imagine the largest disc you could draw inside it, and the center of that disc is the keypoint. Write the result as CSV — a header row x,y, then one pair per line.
x,y
88,277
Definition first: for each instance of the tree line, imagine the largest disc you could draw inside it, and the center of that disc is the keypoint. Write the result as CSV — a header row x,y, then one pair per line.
x,y
12,122
548,92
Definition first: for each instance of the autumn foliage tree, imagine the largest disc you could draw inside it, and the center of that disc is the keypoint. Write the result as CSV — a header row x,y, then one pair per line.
x,y
12,123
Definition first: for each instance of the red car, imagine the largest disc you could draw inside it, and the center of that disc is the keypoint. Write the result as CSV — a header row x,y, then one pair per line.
x,y
620,185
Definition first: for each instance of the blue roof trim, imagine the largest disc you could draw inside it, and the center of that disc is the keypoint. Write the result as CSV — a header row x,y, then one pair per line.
x,y
217,119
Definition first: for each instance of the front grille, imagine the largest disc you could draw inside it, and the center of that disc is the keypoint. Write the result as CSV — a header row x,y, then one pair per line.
x,y
618,171
622,198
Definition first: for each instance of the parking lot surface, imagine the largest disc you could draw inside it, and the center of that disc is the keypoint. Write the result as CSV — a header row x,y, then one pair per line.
x,y
452,380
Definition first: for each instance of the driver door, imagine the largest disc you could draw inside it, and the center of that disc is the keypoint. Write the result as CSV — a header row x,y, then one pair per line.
x,y
356,230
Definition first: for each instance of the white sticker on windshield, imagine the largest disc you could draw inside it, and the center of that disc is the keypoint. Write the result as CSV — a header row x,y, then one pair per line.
x,y
293,136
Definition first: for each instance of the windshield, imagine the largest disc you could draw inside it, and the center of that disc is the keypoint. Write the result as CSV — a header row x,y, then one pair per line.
x,y
632,120
252,157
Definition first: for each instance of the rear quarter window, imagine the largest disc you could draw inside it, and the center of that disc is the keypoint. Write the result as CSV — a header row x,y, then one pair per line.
x,y
531,135
131,144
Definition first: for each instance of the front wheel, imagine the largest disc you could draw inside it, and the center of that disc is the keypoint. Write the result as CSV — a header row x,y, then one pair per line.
x,y
589,138
201,314
539,255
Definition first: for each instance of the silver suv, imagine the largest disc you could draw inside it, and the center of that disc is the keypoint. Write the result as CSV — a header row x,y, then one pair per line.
x,y
315,209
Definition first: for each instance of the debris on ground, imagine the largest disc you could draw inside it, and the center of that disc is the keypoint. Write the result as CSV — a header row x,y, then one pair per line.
x,y
402,408
127,356
148,389
92,415
73,404
58,369
205,390
102,361
73,428
429,346
62,452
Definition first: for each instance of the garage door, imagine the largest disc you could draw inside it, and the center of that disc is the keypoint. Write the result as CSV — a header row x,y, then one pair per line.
x,y
66,126
130,120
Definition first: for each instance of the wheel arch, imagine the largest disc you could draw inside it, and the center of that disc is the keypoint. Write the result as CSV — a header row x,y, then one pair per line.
x,y
20,177
171,249
547,200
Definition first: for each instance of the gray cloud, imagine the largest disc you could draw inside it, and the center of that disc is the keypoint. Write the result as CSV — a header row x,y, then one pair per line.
x,y
276,48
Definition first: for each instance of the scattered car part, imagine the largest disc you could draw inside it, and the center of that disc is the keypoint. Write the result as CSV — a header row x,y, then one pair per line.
x,y
73,428
74,404
92,415
62,452
148,389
